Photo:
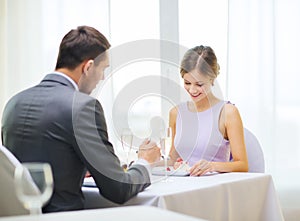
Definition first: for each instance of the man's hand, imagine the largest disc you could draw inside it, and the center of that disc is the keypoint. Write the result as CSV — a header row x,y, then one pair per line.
x,y
149,151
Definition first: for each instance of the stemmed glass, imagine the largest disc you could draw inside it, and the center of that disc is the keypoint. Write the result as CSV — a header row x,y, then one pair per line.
x,y
166,145
34,185
126,139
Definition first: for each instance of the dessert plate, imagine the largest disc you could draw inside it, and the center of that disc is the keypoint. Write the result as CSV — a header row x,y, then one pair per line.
x,y
160,171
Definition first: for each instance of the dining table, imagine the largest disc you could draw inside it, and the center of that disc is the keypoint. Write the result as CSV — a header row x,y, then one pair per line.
x,y
231,196
130,213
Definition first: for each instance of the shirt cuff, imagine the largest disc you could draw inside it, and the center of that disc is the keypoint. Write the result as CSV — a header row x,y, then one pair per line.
x,y
144,163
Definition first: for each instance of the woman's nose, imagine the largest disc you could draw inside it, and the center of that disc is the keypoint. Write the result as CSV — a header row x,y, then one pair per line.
x,y
192,89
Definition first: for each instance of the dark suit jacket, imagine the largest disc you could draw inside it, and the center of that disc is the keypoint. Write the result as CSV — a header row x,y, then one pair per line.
x,y
54,123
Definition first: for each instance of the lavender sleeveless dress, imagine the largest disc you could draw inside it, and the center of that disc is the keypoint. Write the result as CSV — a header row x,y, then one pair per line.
x,y
198,136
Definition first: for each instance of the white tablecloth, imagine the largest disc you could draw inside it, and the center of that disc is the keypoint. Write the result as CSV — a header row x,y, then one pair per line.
x,y
227,196
131,213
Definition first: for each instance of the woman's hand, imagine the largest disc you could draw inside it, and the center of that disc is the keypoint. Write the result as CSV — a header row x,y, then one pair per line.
x,y
201,167
178,163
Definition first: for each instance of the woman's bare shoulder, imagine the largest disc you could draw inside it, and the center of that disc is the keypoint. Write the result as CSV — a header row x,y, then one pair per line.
x,y
174,110
230,109
231,113
173,114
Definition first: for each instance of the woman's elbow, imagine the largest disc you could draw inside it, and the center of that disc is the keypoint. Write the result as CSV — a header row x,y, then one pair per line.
x,y
245,167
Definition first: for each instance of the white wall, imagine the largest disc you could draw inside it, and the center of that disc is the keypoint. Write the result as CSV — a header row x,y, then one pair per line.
x,y
2,55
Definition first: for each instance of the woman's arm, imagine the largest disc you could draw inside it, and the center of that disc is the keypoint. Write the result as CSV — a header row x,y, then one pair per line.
x,y
234,131
172,123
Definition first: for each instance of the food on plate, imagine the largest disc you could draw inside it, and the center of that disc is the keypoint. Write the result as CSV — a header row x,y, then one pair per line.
x,y
182,165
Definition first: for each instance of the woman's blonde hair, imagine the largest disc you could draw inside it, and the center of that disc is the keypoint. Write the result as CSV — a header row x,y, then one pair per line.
x,y
202,59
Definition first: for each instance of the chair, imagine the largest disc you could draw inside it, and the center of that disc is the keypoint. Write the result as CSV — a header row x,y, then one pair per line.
x,y
9,203
255,154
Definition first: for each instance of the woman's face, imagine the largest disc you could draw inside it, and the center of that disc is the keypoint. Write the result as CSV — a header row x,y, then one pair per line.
x,y
197,85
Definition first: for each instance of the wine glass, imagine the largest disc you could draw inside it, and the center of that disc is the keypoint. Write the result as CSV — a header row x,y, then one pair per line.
x,y
126,139
34,185
166,145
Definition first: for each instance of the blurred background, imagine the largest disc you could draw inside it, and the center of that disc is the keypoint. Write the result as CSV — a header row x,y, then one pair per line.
x,y
256,42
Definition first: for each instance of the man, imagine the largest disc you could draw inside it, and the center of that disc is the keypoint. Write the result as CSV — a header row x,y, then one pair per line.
x,y
58,122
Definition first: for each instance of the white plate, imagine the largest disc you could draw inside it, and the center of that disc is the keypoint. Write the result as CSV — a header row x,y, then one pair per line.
x,y
160,171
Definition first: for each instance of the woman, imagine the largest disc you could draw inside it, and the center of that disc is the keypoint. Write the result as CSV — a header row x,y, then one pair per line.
x,y
207,131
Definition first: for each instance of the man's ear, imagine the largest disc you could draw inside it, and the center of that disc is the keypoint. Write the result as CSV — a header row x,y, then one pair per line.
x,y
87,66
